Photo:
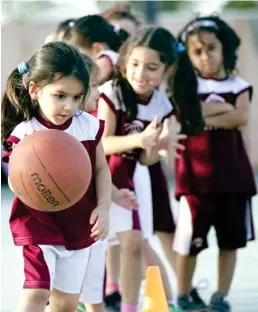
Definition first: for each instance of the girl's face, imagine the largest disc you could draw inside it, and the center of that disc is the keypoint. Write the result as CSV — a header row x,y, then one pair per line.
x,y
144,71
59,100
93,95
206,54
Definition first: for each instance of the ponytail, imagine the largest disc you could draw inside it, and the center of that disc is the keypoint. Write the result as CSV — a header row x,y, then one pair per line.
x,y
126,97
183,89
16,106
124,92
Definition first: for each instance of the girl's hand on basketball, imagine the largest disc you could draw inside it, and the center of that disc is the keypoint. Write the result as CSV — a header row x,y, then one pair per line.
x,y
169,140
150,136
125,198
100,216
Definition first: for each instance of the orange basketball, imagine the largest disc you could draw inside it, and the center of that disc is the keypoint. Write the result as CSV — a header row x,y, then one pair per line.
x,y
50,170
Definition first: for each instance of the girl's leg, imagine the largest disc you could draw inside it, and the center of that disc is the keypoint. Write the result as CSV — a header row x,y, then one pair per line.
x,y
185,271
92,292
113,269
166,240
232,233
33,300
152,259
227,264
193,224
131,243
63,302
95,307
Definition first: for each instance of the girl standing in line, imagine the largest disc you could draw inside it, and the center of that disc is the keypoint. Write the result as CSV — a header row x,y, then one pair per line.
x,y
130,105
214,178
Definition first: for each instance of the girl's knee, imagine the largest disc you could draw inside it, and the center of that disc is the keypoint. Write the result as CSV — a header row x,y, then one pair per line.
x,y
36,297
63,302
131,242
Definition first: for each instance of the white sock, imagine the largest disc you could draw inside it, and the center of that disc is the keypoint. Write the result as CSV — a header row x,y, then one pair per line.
x,y
172,302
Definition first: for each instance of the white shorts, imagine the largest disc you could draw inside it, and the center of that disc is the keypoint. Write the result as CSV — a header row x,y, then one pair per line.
x,y
52,266
94,278
122,219
143,192
69,271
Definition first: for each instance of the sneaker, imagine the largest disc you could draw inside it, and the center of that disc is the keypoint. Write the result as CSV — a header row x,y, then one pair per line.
x,y
80,307
186,304
197,300
218,303
113,301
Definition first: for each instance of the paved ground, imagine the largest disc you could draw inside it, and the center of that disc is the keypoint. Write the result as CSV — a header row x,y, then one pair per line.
x,y
244,293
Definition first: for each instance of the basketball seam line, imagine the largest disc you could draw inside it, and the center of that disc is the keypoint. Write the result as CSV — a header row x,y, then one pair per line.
x,y
49,174
26,189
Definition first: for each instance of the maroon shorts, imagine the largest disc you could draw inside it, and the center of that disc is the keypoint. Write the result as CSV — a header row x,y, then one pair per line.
x,y
163,220
231,216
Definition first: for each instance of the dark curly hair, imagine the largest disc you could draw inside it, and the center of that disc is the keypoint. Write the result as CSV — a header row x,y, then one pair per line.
x,y
225,34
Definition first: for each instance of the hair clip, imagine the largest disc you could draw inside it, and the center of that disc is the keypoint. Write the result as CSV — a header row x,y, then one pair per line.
x,y
180,47
23,68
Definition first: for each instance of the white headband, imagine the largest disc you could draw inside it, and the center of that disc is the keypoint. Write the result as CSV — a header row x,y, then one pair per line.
x,y
199,24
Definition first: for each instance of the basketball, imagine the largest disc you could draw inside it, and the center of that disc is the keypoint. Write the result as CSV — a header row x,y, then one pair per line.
x,y
50,170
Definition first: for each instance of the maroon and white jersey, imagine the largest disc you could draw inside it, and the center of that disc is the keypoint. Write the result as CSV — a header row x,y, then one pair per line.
x,y
122,165
70,227
216,160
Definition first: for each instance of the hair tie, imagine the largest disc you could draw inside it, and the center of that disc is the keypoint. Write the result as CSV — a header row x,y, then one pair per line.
x,y
78,112
23,68
116,28
180,47
71,24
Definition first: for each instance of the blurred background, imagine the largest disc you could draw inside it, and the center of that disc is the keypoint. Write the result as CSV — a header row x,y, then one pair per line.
x,y
24,28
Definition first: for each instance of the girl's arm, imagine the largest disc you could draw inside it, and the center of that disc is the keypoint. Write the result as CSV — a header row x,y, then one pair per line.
x,y
212,109
117,144
100,215
235,118
103,178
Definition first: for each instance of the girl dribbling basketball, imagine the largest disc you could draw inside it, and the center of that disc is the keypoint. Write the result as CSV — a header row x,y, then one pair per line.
x,y
46,93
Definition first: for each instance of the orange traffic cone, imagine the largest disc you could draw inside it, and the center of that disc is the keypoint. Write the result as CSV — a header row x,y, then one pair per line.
x,y
154,299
